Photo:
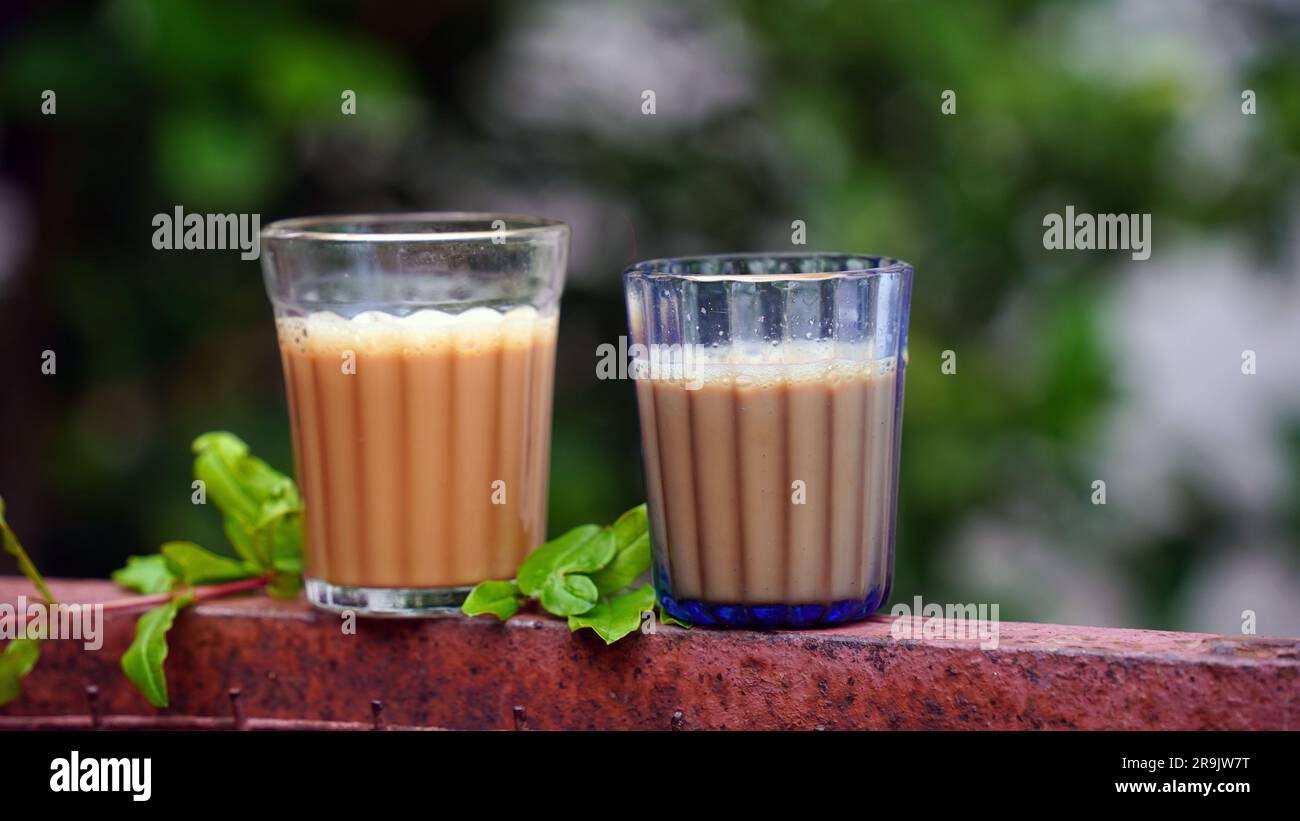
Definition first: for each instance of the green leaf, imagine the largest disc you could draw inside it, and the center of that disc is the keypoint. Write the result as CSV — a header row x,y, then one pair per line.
x,y
278,535
289,564
559,555
285,585
545,573
143,660
197,565
146,574
219,463
631,552
25,566
569,595
255,500
500,598
16,661
614,618
241,539
262,516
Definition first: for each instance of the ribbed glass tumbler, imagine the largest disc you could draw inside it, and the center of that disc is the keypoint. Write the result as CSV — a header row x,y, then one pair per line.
x,y
770,390
419,360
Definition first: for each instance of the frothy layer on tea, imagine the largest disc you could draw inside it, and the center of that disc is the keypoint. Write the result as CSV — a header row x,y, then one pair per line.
x,y
790,363
425,331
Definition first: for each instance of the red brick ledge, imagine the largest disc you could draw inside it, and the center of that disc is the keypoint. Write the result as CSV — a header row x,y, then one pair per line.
x,y
256,663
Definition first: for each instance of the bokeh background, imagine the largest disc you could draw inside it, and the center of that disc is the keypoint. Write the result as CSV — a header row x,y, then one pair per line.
x,y
1071,366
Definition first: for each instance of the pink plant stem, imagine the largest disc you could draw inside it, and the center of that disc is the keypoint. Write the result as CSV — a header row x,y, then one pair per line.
x,y
198,594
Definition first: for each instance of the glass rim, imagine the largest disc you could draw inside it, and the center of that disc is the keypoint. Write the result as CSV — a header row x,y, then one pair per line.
x,y
313,227
670,267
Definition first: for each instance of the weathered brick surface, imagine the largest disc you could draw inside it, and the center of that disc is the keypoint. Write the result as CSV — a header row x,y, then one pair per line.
x,y
290,662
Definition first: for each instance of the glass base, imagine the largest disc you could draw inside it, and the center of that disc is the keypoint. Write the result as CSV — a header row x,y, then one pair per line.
x,y
770,616
386,601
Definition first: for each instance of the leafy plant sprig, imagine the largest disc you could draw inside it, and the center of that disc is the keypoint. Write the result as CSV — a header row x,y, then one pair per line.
x,y
586,575
261,515
20,654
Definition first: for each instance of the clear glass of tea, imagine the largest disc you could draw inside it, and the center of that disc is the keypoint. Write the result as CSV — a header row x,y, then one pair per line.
x,y
770,391
419,355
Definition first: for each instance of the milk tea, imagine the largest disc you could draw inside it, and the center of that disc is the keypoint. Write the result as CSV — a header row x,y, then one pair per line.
x,y
422,443
774,483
